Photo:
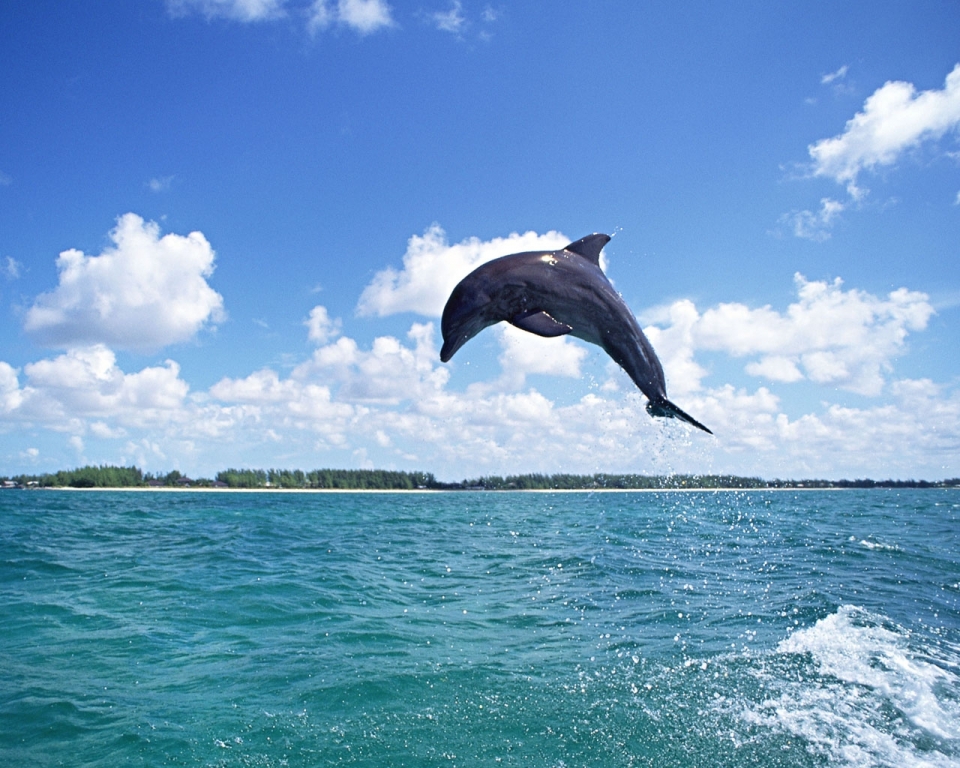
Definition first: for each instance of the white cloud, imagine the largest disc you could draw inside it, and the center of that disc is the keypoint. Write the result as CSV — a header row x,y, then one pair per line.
x,y
394,404
321,328
675,345
451,20
320,16
143,453
103,430
830,336
389,373
84,392
259,387
160,183
343,393
237,10
775,368
143,293
838,75
395,398
363,16
894,119
526,353
432,268
11,268
10,395
5,180
274,406
812,225
87,383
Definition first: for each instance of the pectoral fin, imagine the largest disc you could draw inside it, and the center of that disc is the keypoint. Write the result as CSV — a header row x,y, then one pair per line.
x,y
541,324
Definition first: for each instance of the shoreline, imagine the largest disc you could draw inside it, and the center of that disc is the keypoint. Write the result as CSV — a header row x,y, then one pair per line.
x,y
395,481
137,489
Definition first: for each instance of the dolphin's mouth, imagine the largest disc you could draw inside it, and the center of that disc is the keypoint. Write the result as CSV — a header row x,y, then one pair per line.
x,y
450,346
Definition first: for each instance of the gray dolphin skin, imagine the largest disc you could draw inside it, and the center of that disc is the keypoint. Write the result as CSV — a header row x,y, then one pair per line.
x,y
552,293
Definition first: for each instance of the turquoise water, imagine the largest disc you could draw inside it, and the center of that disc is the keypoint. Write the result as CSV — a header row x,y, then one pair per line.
x,y
480,629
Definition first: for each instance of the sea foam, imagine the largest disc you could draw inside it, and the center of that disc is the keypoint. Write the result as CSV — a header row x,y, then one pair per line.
x,y
860,690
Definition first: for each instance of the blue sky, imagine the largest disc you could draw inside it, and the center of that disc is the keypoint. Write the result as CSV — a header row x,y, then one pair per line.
x,y
227,228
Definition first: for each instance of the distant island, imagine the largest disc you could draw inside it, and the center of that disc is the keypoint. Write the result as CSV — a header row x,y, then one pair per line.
x,y
389,480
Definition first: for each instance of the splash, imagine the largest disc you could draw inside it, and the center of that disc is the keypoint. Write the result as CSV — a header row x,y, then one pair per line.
x,y
863,691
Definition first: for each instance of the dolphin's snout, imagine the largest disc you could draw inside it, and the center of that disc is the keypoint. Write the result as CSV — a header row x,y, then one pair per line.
x,y
450,346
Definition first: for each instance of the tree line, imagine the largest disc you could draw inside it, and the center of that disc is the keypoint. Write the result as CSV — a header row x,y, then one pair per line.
x,y
341,479
105,476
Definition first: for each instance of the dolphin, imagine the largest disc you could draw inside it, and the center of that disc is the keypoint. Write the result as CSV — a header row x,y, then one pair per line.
x,y
552,293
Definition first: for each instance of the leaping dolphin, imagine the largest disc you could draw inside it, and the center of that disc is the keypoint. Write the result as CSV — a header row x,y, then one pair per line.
x,y
552,293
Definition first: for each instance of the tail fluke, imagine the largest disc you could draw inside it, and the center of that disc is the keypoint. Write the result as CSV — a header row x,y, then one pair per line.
x,y
664,407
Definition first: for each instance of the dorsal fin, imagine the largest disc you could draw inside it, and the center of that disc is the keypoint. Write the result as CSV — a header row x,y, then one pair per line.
x,y
589,247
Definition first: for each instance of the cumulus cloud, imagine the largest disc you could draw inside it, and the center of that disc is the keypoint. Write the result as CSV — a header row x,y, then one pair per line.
x,y
88,383
343,395
362,16
272,405
829,336
776,368
432,267
236,10
676,344
525,353
10,395
482,429
894,119
395,395
365,16
394,403
84,394
321,328
388,373
145,292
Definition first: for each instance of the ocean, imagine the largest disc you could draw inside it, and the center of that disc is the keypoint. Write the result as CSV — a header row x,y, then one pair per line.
x,y
767,628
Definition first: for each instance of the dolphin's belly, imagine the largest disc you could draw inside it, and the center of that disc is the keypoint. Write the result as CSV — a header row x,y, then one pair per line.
x,y
589,333
588,317
608,323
